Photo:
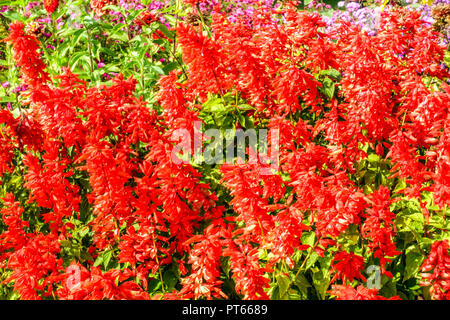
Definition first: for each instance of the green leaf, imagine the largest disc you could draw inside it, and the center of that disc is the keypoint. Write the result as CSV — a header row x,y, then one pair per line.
x,y
311,260
11,98
303,284
369,177
308,238
214,105
169,34
373,158
245,107
321,282
400,185
121,36
13,15
249,123
77,58
413,262
275,293
16,113
332,73
86,256
241,120
389,288
89,22
283,285
78,35
170,66
10,3
328,87
99,260
65,243
107,258
84,209
170,280
158,69
112,7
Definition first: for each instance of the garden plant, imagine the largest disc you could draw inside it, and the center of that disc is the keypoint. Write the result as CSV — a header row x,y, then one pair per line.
x,y
123,174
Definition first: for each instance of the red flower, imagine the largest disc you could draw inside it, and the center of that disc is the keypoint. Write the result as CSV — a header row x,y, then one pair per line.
x,y
348,266
145,18
193,2
379,227
15,236
82,284
247,274
7,142
97,6
26,54
203,281
360,293
50,187
205,62
51,5
34,265
437,262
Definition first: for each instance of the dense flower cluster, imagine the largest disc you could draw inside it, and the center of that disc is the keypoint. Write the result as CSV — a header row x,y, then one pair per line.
x,y
439,263
368,17
101,209
51,5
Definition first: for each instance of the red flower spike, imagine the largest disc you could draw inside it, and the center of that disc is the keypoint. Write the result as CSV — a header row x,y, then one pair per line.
x,y
51,5
348,266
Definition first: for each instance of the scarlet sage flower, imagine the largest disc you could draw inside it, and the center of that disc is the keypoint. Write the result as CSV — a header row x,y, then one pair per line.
x,y
205,62
379,227
7,145
50,187
193,2
204,280
29,132
32,264
15,236
51,5
26,54
145,18
247,273
360,293
97,6
436,271
348,266
172,97
244,184
100,159
93,284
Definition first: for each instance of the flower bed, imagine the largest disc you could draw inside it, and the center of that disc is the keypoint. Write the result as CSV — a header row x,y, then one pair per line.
x,y
126,172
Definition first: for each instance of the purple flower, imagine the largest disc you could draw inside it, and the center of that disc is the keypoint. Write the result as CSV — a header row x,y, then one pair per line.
x,y
20,88
5,84
353,6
